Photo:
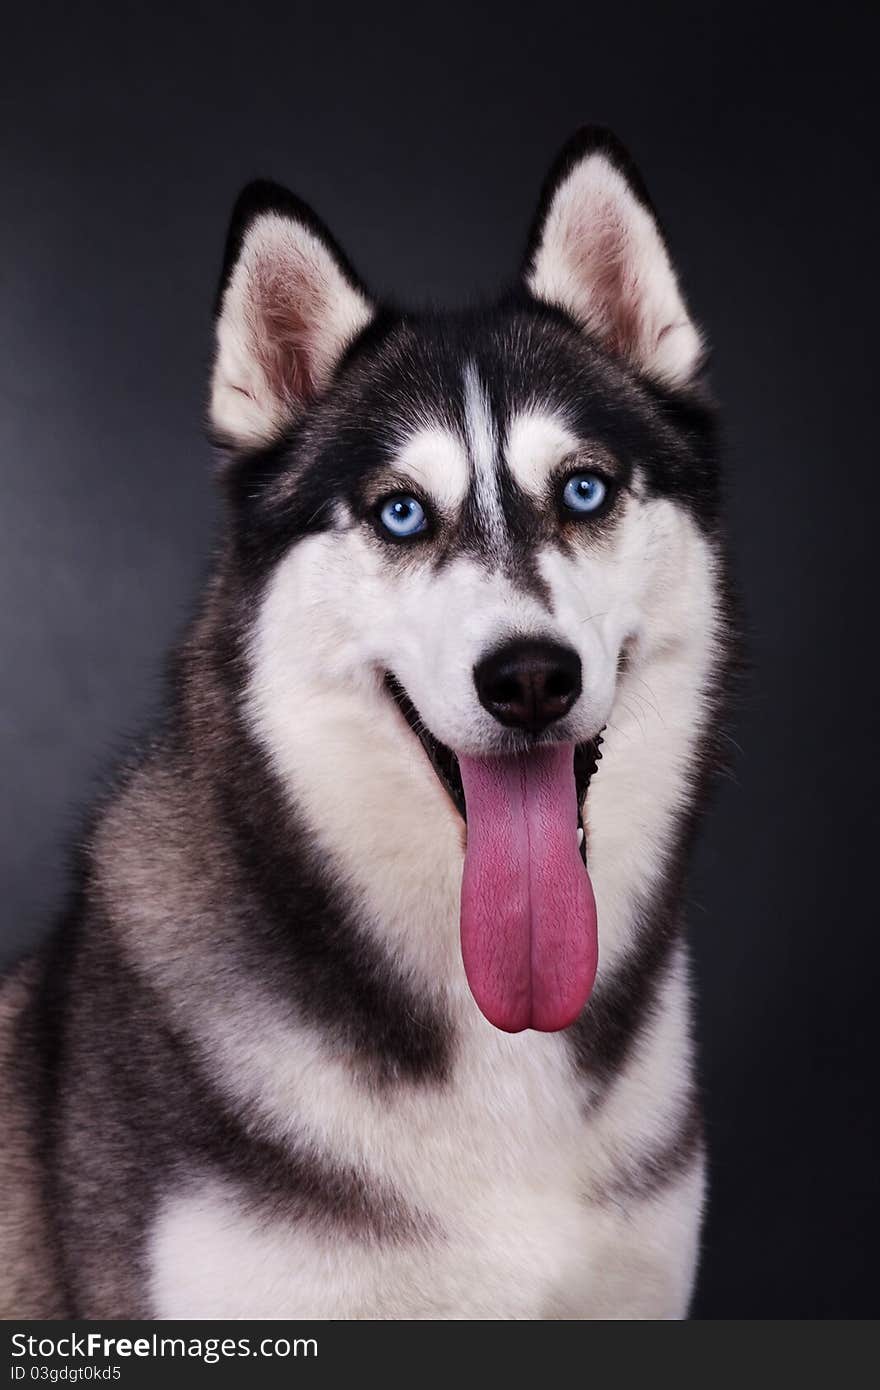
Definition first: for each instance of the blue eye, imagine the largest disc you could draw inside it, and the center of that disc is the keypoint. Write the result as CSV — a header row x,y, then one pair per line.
x,y
584,493
403,516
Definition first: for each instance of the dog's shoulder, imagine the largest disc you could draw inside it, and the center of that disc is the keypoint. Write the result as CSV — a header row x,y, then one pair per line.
x,y
27,1283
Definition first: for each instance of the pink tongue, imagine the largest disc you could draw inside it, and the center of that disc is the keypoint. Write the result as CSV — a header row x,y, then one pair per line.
x,y
528,916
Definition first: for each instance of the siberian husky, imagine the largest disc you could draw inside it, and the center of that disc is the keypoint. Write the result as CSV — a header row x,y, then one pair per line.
x,y
365,1006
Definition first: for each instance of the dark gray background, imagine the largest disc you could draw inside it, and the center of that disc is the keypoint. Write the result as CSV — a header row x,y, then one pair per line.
x,y
421,134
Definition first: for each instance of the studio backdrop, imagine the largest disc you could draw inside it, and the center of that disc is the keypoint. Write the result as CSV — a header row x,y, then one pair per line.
x,y
421,135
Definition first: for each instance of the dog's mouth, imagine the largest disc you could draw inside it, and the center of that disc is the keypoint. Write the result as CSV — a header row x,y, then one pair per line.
x,y
441,758
528,916
587,757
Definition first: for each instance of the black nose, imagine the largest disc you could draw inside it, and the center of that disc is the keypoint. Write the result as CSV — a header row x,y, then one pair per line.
x,y
528,684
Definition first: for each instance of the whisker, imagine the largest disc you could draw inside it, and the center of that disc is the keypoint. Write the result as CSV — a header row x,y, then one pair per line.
x,y
326,503
647,703
634,714
653,706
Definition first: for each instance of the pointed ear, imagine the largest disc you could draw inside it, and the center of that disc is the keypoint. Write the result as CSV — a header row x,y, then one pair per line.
x,y
288,307
596,251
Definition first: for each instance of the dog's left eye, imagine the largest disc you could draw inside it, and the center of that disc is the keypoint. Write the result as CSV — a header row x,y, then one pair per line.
x,y
402,516
584,493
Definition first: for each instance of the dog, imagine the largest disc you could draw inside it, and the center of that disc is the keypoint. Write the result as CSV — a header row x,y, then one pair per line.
x,y
372,997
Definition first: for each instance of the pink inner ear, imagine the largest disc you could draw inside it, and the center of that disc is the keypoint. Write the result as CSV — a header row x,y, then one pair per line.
x,y
601,256
284,311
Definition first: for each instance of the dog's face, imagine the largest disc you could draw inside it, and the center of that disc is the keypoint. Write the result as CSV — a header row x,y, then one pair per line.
x,y
479,514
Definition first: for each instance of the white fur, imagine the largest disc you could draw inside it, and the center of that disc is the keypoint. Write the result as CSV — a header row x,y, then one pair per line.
x,y
433,462
602,259
537,442
508,1252
288,313
483,446
502,1168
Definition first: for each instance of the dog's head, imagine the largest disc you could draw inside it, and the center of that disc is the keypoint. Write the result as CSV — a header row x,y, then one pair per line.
x,y
479,513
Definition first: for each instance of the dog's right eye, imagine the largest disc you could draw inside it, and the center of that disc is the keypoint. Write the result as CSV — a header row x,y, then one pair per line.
x,y
402,516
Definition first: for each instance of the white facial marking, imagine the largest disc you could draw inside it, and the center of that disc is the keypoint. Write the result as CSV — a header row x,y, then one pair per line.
x,y
434,460
482,438
537,442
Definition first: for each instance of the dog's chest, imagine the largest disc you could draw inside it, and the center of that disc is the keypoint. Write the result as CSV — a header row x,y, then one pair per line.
x,y
492,1172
